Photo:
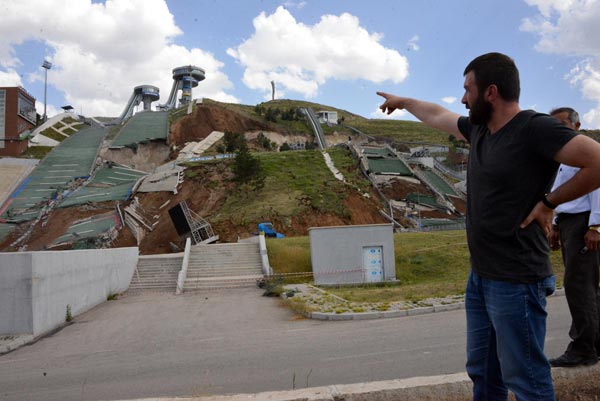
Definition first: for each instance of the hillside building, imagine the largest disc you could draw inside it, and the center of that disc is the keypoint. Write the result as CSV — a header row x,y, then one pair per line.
x,y
328,117
17,118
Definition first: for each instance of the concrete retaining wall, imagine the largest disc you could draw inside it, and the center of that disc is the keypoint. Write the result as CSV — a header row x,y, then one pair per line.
x,y
36,287
16,312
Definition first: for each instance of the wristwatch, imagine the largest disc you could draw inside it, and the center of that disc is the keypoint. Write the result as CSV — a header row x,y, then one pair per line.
x,y
595,228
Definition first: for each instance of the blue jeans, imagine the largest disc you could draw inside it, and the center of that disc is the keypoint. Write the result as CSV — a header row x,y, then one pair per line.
x,y
506,327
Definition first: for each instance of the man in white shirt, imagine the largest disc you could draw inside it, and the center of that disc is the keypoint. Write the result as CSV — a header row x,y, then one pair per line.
x,y
576,230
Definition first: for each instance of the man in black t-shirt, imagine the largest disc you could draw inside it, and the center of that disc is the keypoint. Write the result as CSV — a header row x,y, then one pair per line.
x,y
513,156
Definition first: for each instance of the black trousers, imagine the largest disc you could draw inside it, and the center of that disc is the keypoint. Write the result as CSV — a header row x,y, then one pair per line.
x,y
581,285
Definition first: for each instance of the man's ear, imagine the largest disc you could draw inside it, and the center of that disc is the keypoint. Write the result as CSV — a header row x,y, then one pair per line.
x,y
491,93
577,125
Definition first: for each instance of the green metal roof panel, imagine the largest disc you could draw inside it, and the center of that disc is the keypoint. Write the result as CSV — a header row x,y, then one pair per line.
x,y
95,194
89,228
72,158
422,199
394,166
116,175
142,127
109,183
441,222
441,185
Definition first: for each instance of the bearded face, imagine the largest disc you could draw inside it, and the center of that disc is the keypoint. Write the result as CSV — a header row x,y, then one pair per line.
x,y
480,111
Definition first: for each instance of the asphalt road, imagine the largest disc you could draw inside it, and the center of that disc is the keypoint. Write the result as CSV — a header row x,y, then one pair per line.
x,y
233,342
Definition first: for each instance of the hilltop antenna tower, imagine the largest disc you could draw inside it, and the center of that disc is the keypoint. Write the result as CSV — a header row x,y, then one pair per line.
x,y
272,90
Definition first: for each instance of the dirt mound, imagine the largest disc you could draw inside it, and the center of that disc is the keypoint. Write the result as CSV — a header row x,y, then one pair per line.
x,y
209,118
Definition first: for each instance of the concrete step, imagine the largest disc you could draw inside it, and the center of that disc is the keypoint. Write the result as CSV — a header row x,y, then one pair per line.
x,y
217,264
159,285
155,273
240,272
159,265
155,279
221,282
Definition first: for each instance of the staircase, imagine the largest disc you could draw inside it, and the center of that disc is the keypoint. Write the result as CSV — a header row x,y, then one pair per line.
x,y
223,266
156,273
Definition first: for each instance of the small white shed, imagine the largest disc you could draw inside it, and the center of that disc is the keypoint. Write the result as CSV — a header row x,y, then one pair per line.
x,y
352,254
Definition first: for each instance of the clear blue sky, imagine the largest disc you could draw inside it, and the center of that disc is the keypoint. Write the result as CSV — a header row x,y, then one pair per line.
x,y
331,52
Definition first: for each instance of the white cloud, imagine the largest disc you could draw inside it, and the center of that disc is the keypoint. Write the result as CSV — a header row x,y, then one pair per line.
x,y
449,99
570,27
10,78
301,58
294,4
101,51
50,109
396,115
412,43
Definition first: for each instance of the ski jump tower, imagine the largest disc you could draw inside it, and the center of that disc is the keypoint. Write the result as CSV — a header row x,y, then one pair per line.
x,y
143,93
184,78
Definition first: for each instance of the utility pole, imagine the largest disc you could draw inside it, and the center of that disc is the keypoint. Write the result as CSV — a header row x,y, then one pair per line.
x,y
46,66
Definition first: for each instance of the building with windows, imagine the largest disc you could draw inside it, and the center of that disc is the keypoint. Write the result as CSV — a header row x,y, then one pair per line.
x,y
328,117
17,118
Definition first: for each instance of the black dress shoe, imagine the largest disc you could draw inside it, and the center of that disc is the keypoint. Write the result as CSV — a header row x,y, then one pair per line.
x,y
569,361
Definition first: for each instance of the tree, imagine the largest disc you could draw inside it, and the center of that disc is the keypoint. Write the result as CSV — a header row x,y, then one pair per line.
x,y
233,141
247,169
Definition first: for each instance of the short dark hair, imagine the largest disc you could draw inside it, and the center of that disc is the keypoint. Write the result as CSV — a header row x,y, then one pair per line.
x,y
496,69
573,115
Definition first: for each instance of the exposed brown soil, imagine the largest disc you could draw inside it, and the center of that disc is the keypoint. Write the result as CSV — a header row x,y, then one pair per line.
x,y
399,188
208,118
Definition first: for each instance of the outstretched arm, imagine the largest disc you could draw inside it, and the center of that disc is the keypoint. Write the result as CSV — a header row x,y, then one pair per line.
x,y
431,114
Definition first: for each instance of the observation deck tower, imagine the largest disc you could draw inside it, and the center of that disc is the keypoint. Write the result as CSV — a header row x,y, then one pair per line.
x,y
142,93
184,78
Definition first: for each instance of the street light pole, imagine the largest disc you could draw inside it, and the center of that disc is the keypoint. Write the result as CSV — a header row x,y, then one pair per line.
x,y
46,66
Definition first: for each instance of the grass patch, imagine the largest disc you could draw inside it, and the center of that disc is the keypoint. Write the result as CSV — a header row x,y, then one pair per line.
x,y
36,152
428,265
289,255
402,131
50,133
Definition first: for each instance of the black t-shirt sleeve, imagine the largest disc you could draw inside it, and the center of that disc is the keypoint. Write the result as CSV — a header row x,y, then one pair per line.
x,y
465,127
548,135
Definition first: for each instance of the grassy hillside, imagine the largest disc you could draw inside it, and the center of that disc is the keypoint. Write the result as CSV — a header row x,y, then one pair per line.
x,y
402,131
295,182
395,130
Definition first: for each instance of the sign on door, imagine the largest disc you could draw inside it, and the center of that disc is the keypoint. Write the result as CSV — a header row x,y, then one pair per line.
x,y
373,263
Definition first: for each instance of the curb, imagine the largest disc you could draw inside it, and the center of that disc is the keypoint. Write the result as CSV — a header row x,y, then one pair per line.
x,y
396,313
7,346
451,387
